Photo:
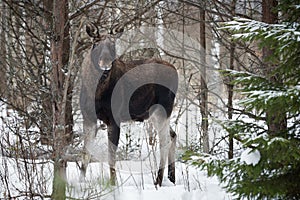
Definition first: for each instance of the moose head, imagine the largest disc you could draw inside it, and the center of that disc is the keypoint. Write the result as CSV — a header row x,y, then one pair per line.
x,y
103,51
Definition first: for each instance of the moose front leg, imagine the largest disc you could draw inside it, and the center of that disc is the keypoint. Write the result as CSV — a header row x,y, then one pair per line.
x,y
89,129
113,141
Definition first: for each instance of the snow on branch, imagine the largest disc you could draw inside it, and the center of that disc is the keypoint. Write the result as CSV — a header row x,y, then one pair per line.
x,y
248,29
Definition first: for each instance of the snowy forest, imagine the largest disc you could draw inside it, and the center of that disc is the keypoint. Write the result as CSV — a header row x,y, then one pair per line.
x,y
236,112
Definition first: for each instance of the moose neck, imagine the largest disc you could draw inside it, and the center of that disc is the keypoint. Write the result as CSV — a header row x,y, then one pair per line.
x,y
104,75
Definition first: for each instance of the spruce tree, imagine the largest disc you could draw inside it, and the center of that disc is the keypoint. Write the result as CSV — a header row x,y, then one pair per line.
x,y
269,166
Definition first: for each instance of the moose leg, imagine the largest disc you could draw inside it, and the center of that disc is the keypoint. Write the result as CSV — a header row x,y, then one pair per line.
x,y
171,157
164,144
89,129
160,122
113,141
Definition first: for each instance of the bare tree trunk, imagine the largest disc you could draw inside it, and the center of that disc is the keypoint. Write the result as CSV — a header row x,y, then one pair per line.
x,y
60,46
230,86
46,121
203,87
230,98
3,51
186,87
276,120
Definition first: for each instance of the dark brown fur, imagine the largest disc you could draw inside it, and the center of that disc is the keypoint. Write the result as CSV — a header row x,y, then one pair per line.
x,y
96,99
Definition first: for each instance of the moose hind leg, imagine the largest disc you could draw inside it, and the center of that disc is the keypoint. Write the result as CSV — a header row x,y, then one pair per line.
x,y
161,123
171,157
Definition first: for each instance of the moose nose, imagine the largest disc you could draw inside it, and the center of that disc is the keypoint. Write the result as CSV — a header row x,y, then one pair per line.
x,y
105,65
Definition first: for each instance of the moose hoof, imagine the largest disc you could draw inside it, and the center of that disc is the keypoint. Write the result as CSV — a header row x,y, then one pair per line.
x,y
158,182
171,177
159,177
171,174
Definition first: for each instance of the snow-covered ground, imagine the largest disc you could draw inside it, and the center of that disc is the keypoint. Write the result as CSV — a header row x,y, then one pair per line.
x,y
135,174
191,183
136,184
135,178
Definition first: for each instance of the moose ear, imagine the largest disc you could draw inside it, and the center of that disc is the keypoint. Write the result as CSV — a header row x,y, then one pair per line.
x,y
117,32
92,30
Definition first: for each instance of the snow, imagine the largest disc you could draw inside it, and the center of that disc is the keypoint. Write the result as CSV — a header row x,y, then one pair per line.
x,y
275,139
250,156
134,176
266,96
133,184
250,29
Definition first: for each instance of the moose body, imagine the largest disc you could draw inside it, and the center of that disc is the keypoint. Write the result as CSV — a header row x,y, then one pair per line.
x,y
115,91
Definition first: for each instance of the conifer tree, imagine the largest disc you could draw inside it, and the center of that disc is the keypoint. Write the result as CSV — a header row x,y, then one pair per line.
x,y
269,166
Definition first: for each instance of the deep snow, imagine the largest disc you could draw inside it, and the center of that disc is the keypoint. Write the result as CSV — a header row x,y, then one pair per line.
x,y
134,176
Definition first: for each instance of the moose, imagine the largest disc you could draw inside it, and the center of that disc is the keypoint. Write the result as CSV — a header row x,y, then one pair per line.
x,y
116,91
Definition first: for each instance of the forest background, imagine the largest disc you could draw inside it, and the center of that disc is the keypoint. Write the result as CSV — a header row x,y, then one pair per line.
x,y
239,88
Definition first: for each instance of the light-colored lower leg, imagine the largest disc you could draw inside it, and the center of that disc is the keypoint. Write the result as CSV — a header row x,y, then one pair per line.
x,y
113,141
89,136
161,124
